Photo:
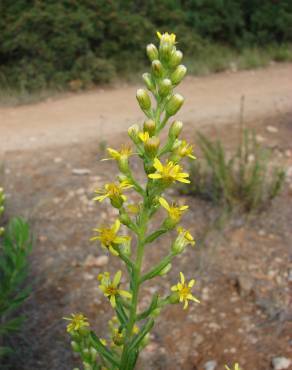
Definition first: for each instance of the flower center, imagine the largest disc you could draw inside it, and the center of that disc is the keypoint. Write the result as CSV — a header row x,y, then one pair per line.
x,y
185,291
111,290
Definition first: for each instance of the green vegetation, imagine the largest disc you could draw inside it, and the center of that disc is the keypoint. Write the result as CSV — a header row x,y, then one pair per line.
x,y
15,245
55,45
245,179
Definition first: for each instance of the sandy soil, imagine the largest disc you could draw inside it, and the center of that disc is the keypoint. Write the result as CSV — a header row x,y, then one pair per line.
x,y
243,272
102,113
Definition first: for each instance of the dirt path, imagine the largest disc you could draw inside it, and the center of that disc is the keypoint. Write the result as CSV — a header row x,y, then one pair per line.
x,y
102,113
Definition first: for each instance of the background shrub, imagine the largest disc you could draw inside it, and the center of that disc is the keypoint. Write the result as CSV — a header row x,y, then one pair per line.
x,y
49,44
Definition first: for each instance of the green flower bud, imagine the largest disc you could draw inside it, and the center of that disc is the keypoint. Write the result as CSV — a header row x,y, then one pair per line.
x,y
75,346
164,87
152,52
2,230
150,127
124,218
157,68
133,132
174,104
165,270
165,51
156,312
143,99
145,340
87,365
178,74
151,146
175,58
148,81
173,298
175,129
93,353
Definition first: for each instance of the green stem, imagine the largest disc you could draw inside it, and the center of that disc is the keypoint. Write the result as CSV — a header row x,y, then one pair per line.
x,y
135,290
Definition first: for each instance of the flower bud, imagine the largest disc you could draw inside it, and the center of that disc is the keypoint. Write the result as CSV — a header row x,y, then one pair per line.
x,y
165,51
143,99
157,68
1,210
2,230
164,87
178,74
156,312
165,270
152,145
75,346
93,353
148,81
175,129
174,104
145,340
152,52
133,132
178,245
175,58
87,365
173,298
150,127
124,218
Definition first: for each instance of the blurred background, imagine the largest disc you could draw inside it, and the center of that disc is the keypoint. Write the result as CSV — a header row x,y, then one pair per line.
x,y
69,71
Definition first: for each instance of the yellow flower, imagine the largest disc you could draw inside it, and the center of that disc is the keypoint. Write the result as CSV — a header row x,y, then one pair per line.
x,y
124,153
170,172
144,136
174,212
185,150
166,37
186,235
236,367
78,321
184,291
111,288
114,193
108,237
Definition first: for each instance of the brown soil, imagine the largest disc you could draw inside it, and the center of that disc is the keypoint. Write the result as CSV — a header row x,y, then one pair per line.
x,y
242,270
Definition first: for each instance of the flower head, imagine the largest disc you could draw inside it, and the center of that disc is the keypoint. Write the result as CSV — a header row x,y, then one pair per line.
x,y
124,153
183,290
113,192
186,235
122,157
236,367
77,322
108,237
166,37
174,211
144,136
110,288
185,150
170,172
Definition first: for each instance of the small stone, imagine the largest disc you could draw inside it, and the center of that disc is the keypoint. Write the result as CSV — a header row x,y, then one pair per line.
x,y
288,153
281,363
81,171
92,261
272,129
244,285
80,191
262,232
88,276
58,160
260,139
210,365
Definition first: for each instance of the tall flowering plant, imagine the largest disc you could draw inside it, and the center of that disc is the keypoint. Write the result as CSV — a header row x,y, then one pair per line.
x,y
130,327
